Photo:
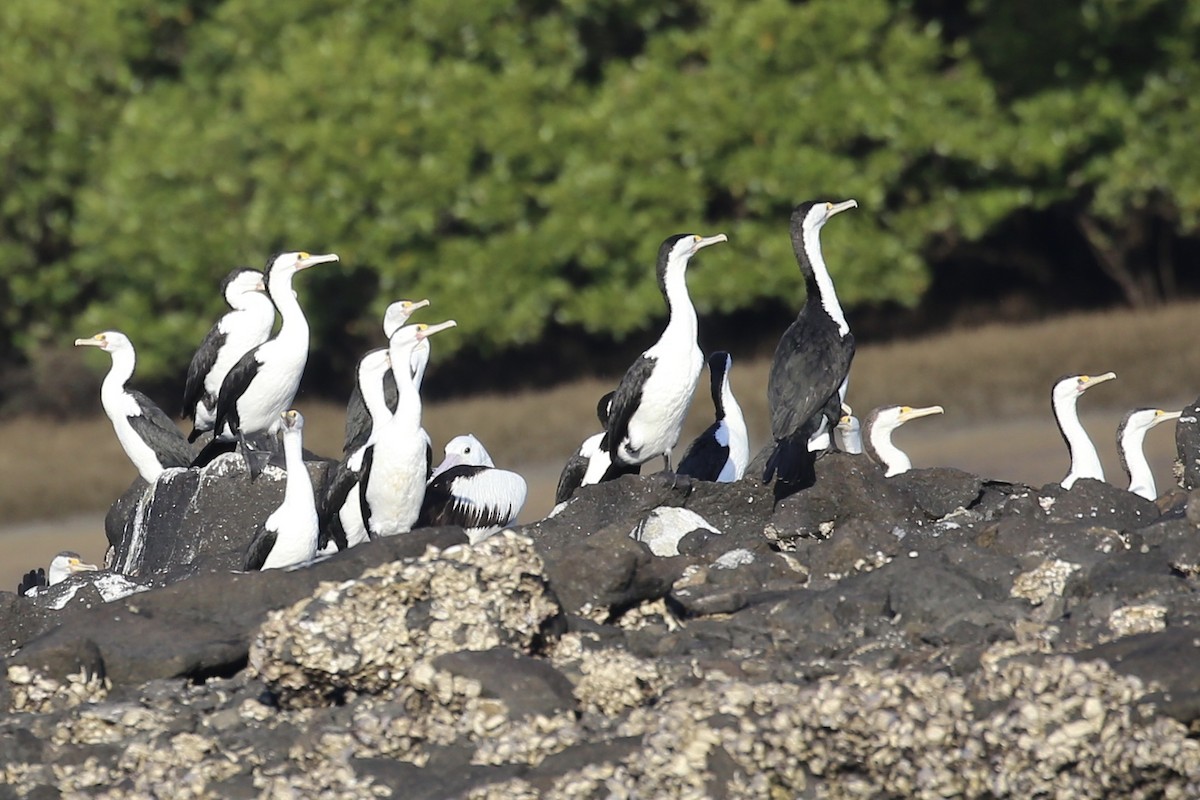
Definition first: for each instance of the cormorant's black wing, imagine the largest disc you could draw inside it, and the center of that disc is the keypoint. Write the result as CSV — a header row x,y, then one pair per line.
x,y
810,363
570,478
260,547
333,497
626,401
158,430
358,422
232,388
705,456
32,580
202,364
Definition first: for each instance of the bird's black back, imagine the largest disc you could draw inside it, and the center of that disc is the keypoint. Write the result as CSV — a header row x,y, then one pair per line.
x,y
705,456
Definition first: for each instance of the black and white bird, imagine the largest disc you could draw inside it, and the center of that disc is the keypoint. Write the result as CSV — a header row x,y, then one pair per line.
x,y
396,462
358,419
722,452
877,436
590,463
652,400
239,331
848,433
263,383
62,566
812,359
1131,434
468,490
1085,461
339,511
151,440
289,535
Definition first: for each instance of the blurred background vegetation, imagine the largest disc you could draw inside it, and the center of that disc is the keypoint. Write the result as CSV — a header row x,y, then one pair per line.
x,y
518,163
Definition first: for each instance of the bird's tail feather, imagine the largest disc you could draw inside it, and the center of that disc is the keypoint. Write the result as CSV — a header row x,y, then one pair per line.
x,y
792,463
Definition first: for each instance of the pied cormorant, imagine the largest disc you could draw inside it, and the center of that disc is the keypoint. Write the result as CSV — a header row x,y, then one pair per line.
x,y
339,511
236,333
468,490
1130,435
358,418
151,440
877,436
289,535
263,383
1085,461
813,357
652,400
722,452
391,484
590,463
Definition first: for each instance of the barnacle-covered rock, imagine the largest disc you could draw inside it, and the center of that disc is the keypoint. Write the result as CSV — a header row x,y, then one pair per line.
x,y
364,635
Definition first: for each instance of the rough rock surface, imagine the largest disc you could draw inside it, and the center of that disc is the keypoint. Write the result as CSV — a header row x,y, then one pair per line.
x,y
925,636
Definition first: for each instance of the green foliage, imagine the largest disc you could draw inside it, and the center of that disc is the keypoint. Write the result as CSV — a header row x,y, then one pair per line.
x,y
519,162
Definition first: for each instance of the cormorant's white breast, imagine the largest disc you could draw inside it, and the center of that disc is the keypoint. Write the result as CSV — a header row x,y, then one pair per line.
x,y
289,535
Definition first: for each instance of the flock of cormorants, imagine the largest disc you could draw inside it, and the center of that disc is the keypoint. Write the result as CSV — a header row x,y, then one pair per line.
x,y
242,381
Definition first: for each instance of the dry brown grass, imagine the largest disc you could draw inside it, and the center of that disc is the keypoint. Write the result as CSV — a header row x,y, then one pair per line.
x,y
983,377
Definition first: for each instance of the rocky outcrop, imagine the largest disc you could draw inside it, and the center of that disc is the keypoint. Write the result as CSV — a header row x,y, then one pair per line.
x,y
929,635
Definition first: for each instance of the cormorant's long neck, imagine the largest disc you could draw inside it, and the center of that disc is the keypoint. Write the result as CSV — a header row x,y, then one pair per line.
x,y
817,281
682,324
298,492
1085,461
294,329
123,361
370,385
1133,459
419,361
879,446
408,396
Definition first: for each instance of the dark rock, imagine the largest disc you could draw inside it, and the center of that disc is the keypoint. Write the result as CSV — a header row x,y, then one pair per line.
x,y
210,514
939,491
19,746
1167,658
1096,501
848,487
591,561
1187,445
525,685
202,626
